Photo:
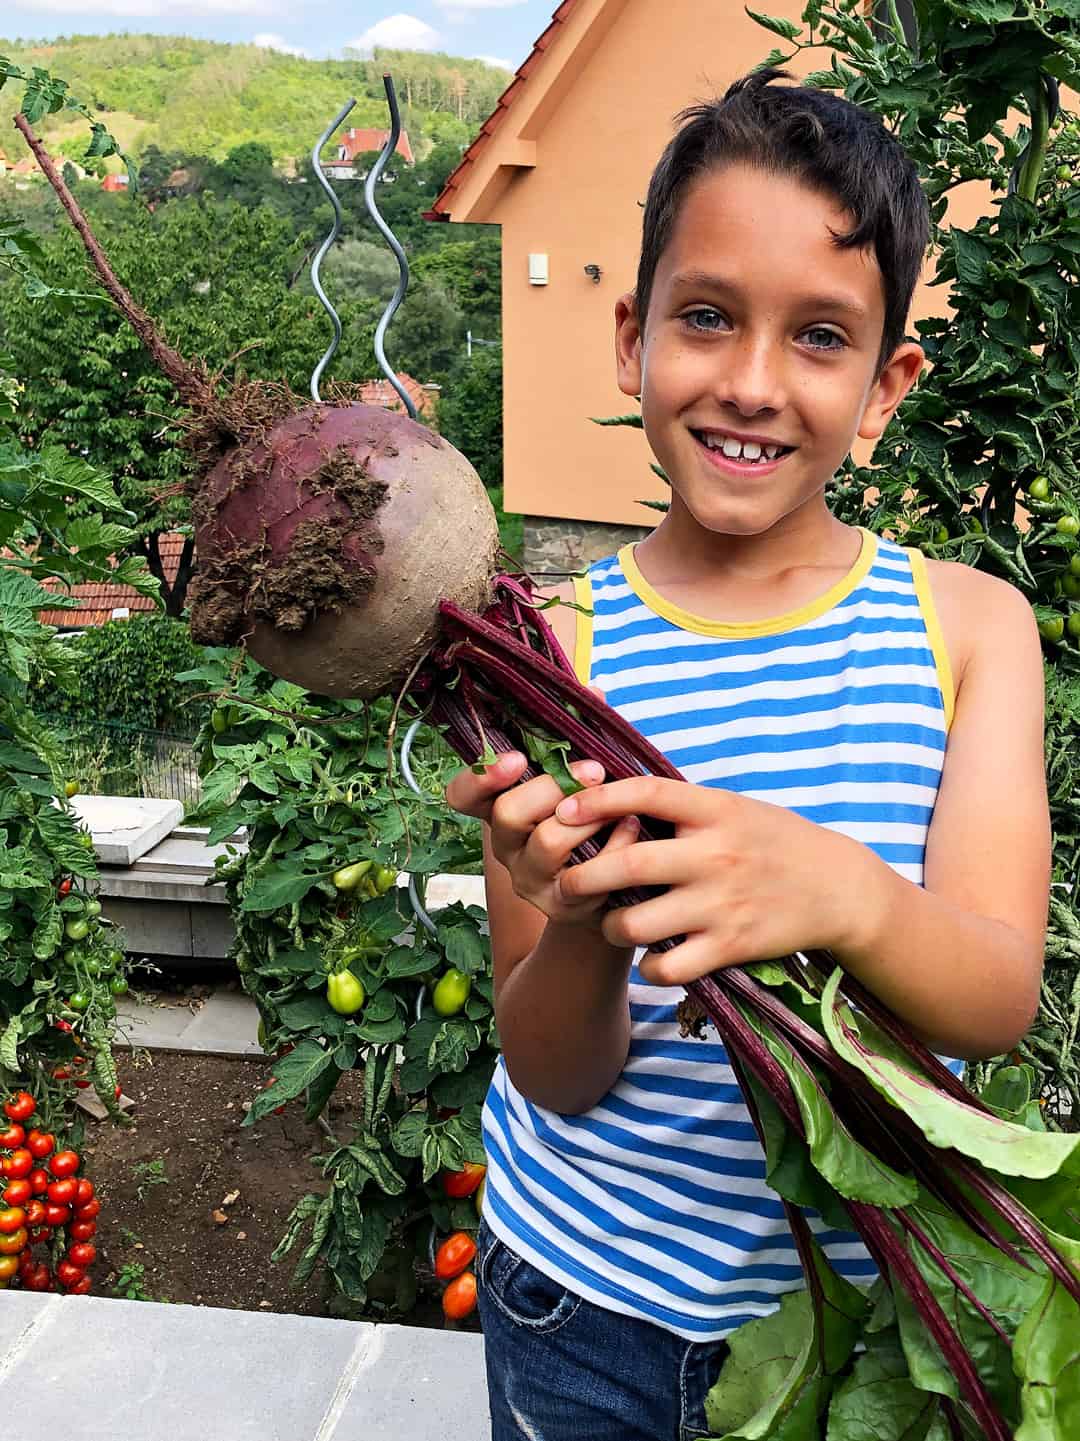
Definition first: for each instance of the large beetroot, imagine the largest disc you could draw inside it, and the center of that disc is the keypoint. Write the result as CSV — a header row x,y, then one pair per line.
x,y
327,545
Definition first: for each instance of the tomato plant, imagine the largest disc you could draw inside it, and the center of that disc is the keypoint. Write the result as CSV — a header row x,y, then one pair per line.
x,y
327,945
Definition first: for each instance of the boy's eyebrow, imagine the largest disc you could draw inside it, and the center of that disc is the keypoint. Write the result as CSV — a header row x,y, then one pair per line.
x,y
702,279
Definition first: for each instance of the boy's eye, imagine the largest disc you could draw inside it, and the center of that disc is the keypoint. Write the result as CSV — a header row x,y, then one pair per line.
x,y
705,318
821,338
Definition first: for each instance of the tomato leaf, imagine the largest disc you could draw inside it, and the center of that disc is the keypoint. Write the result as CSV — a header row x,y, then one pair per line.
x,y
293,1074
278,886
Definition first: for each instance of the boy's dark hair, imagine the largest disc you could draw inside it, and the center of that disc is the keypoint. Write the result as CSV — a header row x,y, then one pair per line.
x,y
825,142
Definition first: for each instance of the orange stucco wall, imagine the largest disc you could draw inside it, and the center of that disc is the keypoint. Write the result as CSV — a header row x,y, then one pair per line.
x,y
624,69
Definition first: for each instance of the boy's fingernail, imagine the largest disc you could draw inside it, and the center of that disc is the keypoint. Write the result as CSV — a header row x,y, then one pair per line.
x,y
590,771
567,810
631,824
506,763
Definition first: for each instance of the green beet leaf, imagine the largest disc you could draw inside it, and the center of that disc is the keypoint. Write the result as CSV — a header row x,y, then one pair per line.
x,y
1046,1354
1002,1146
878,1401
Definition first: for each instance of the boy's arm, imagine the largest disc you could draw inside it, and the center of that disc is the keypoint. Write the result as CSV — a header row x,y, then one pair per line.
x,y
961,959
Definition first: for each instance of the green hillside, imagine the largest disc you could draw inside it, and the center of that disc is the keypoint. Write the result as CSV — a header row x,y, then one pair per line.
x,y
206,98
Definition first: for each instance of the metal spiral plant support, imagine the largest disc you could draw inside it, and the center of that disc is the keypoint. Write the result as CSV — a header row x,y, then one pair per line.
x,y
316,283
391,239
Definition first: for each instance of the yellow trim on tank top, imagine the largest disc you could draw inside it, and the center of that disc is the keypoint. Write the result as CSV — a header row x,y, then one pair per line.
x,y
934,633
746,630
583,628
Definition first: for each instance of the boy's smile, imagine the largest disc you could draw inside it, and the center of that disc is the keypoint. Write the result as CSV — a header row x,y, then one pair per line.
x,y
757,366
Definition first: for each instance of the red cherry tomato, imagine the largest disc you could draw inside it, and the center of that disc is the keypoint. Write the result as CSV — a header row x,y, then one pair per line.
x,y
40,1144
39,1180
463,1182
11,1245
17,1193
459,1298
82,1254
39,1279
64,1163
85,1192
20,1107
80,1288
43,1233
82,1085
11,1136
57,1215
89,1211
62,1073
68,1274
64,887
455,1253
63,1192
79,1230
35,1214
17,1164
12,1219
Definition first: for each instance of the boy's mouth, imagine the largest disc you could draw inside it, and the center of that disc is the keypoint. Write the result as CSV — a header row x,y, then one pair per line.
x,y
743,456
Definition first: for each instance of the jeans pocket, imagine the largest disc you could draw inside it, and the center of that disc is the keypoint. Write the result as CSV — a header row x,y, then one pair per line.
x,y
523,1293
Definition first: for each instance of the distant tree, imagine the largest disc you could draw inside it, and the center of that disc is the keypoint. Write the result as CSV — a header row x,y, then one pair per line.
x,y
470,412
471,271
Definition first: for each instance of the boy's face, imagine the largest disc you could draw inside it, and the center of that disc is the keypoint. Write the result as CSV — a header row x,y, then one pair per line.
x,y
759,328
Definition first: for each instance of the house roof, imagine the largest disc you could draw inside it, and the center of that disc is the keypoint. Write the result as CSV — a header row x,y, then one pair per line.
x,y
441,209
381,392
98,599
357,141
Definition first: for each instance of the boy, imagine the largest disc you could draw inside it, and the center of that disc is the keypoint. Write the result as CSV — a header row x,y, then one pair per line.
x,y
862,731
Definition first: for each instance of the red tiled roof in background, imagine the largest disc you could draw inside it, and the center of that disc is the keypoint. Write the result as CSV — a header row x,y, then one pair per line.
x,y
381,392
356,141
495,119
98,599
115,182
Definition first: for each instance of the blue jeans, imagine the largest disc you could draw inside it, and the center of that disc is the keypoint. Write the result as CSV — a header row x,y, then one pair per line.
x,y
562,1369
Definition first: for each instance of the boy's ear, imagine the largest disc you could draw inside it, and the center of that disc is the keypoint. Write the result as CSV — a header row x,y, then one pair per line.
x,y
628,366
900,374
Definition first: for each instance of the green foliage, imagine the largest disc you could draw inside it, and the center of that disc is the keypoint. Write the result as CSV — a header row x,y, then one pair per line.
x,y
471,411
309,780
126,674
209,98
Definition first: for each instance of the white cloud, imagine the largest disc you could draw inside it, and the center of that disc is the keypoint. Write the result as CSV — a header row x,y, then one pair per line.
x,y
268,41
477,4
156,8
397,32
494,60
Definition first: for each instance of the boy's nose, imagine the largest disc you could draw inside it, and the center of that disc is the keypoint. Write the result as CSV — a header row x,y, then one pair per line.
x,y
754,381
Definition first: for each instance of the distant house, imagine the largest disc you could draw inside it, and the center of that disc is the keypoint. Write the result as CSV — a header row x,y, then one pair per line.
x,y
115,183
100,601
4,163
381,392
354,142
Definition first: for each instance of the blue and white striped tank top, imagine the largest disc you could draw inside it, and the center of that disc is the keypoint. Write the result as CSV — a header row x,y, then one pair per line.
x,y
654,1203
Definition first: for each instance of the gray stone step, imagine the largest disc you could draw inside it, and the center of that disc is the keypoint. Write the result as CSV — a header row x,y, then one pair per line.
x,y
89,1368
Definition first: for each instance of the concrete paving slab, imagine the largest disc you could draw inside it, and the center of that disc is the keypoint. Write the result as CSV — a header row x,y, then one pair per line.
x,y
126,827
187,855
97,1368
157,1027
226,1025
419,1383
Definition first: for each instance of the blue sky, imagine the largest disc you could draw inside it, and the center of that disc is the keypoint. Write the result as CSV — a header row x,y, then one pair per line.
x,y
501,30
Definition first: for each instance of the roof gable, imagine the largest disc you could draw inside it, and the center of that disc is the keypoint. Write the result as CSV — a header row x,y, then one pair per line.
x,y
507,139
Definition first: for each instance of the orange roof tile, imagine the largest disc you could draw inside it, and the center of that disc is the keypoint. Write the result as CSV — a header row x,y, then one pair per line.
x,y
440,210
356,141
381,392
98,599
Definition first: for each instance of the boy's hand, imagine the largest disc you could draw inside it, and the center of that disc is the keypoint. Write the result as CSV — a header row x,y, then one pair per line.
x,y
747,881
528,840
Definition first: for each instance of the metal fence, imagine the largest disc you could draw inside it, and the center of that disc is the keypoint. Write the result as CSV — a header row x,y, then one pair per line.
x,y
107,758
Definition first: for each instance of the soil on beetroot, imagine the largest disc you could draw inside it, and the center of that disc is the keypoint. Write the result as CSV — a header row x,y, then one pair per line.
x,y
186,1125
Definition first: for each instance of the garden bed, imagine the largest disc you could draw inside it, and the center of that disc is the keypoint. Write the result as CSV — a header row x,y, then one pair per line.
x,y
186,1151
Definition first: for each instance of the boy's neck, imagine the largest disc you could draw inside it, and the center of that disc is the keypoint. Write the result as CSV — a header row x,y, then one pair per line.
x,y
747,578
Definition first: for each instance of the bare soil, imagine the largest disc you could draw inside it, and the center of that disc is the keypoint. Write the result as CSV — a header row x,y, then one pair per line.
x,y
204,1233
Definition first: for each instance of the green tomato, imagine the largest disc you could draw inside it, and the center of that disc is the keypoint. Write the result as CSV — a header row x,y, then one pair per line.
x,y
1068,525
451,992
93,908
77,929
1053,629
86,840
385,878
1039,489
220,721
261,1034
79,1001
1070,585
118,986
116,958
941,535
71,788
344,992
93,969
349,877
1072,625
1064,172
1074,564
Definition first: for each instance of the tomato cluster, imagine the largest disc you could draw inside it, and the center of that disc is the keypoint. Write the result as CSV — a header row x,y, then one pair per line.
x,y
456,1253
45,1201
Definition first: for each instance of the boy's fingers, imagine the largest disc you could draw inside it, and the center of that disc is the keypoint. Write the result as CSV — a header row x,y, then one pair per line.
x,y
473,794
664,800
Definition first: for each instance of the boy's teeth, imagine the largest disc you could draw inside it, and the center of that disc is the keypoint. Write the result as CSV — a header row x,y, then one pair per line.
x,y
734,449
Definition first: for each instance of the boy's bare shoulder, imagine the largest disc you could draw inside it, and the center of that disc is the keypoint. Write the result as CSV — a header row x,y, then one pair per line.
x,y
979,614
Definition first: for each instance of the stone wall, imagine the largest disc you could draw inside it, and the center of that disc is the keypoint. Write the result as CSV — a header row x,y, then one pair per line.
x,y
553,547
